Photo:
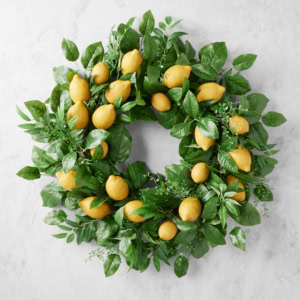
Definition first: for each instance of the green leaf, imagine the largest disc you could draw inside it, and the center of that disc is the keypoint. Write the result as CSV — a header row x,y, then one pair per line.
x,y
237,84
210,209
263,193
200,248
249,216
257,102
223,215
70,238
52,195
58,95
70,50
238,238
144,113
156,263
21,114
120,143
226,161
183,225
170,118
60,235
92,55
147,23
29,173
159,197
168,20
153,73
181,130
55,217
190,104
118,102
38,106
181,266
162,25
258,133
69,161
244,61
189,50
184,237
204,71
96,137
130,41
150,48
273,119
182,60
111,264
178,176
214,55
208,128
98,201
175,94
60,74
251,116
119,215
213,235
137,174
128,106
106,229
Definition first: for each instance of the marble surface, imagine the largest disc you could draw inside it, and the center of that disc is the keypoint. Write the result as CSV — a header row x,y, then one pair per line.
x,y
33,265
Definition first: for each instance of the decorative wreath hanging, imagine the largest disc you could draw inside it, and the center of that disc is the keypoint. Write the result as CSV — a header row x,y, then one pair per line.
x,y
151,75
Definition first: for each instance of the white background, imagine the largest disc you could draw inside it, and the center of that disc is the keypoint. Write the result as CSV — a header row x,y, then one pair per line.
x,y
33,265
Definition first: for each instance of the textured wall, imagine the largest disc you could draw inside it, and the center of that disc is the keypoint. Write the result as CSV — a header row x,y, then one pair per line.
x,y
33,265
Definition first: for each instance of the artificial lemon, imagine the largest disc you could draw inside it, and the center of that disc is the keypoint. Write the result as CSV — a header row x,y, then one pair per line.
x,y
174,76
104,116
104,147
202,141
238,125
100,73
242,158
160,102
67,181
98,212
167,230
116,188
118,88
130,207
189,209
79,89
80,111
199,172
131,62
210,91
239,196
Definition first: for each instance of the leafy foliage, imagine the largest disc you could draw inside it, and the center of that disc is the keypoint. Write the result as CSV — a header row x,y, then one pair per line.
x,y
68,149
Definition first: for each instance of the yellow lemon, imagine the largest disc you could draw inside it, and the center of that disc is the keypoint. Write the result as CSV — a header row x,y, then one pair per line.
x,y
116,188
167,230
118,88
202,141
67,181
130,207
80,111
242,158
239,196
209,91
199,172
160,102
98,212
79,89
100,73
189,209
131,62
104,147
104,116
238,125
174,76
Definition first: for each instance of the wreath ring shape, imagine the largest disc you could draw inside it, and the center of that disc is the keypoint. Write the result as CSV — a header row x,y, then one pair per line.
x,y
150,74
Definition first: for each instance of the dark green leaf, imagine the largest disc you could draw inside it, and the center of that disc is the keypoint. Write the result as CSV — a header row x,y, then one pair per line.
x,y
156,263
175,94
147,23
150,48
130,41
249,216
257,102
210,208
226,161
181,266
169,119
214,235
237,84
244,61
144,113
38,106
70,50
98,201
223,215
51,195
111,264
184,237
208,128
258,133
200,248
238,238
178,176
263,193
137,174
29,173
190,104
181,130
204,71
55,217
273,119
92,54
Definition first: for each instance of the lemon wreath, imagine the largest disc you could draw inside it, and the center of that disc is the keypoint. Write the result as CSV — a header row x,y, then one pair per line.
x,y
151,75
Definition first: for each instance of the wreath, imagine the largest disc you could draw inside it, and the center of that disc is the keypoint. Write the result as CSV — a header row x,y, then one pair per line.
x,y
151,75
